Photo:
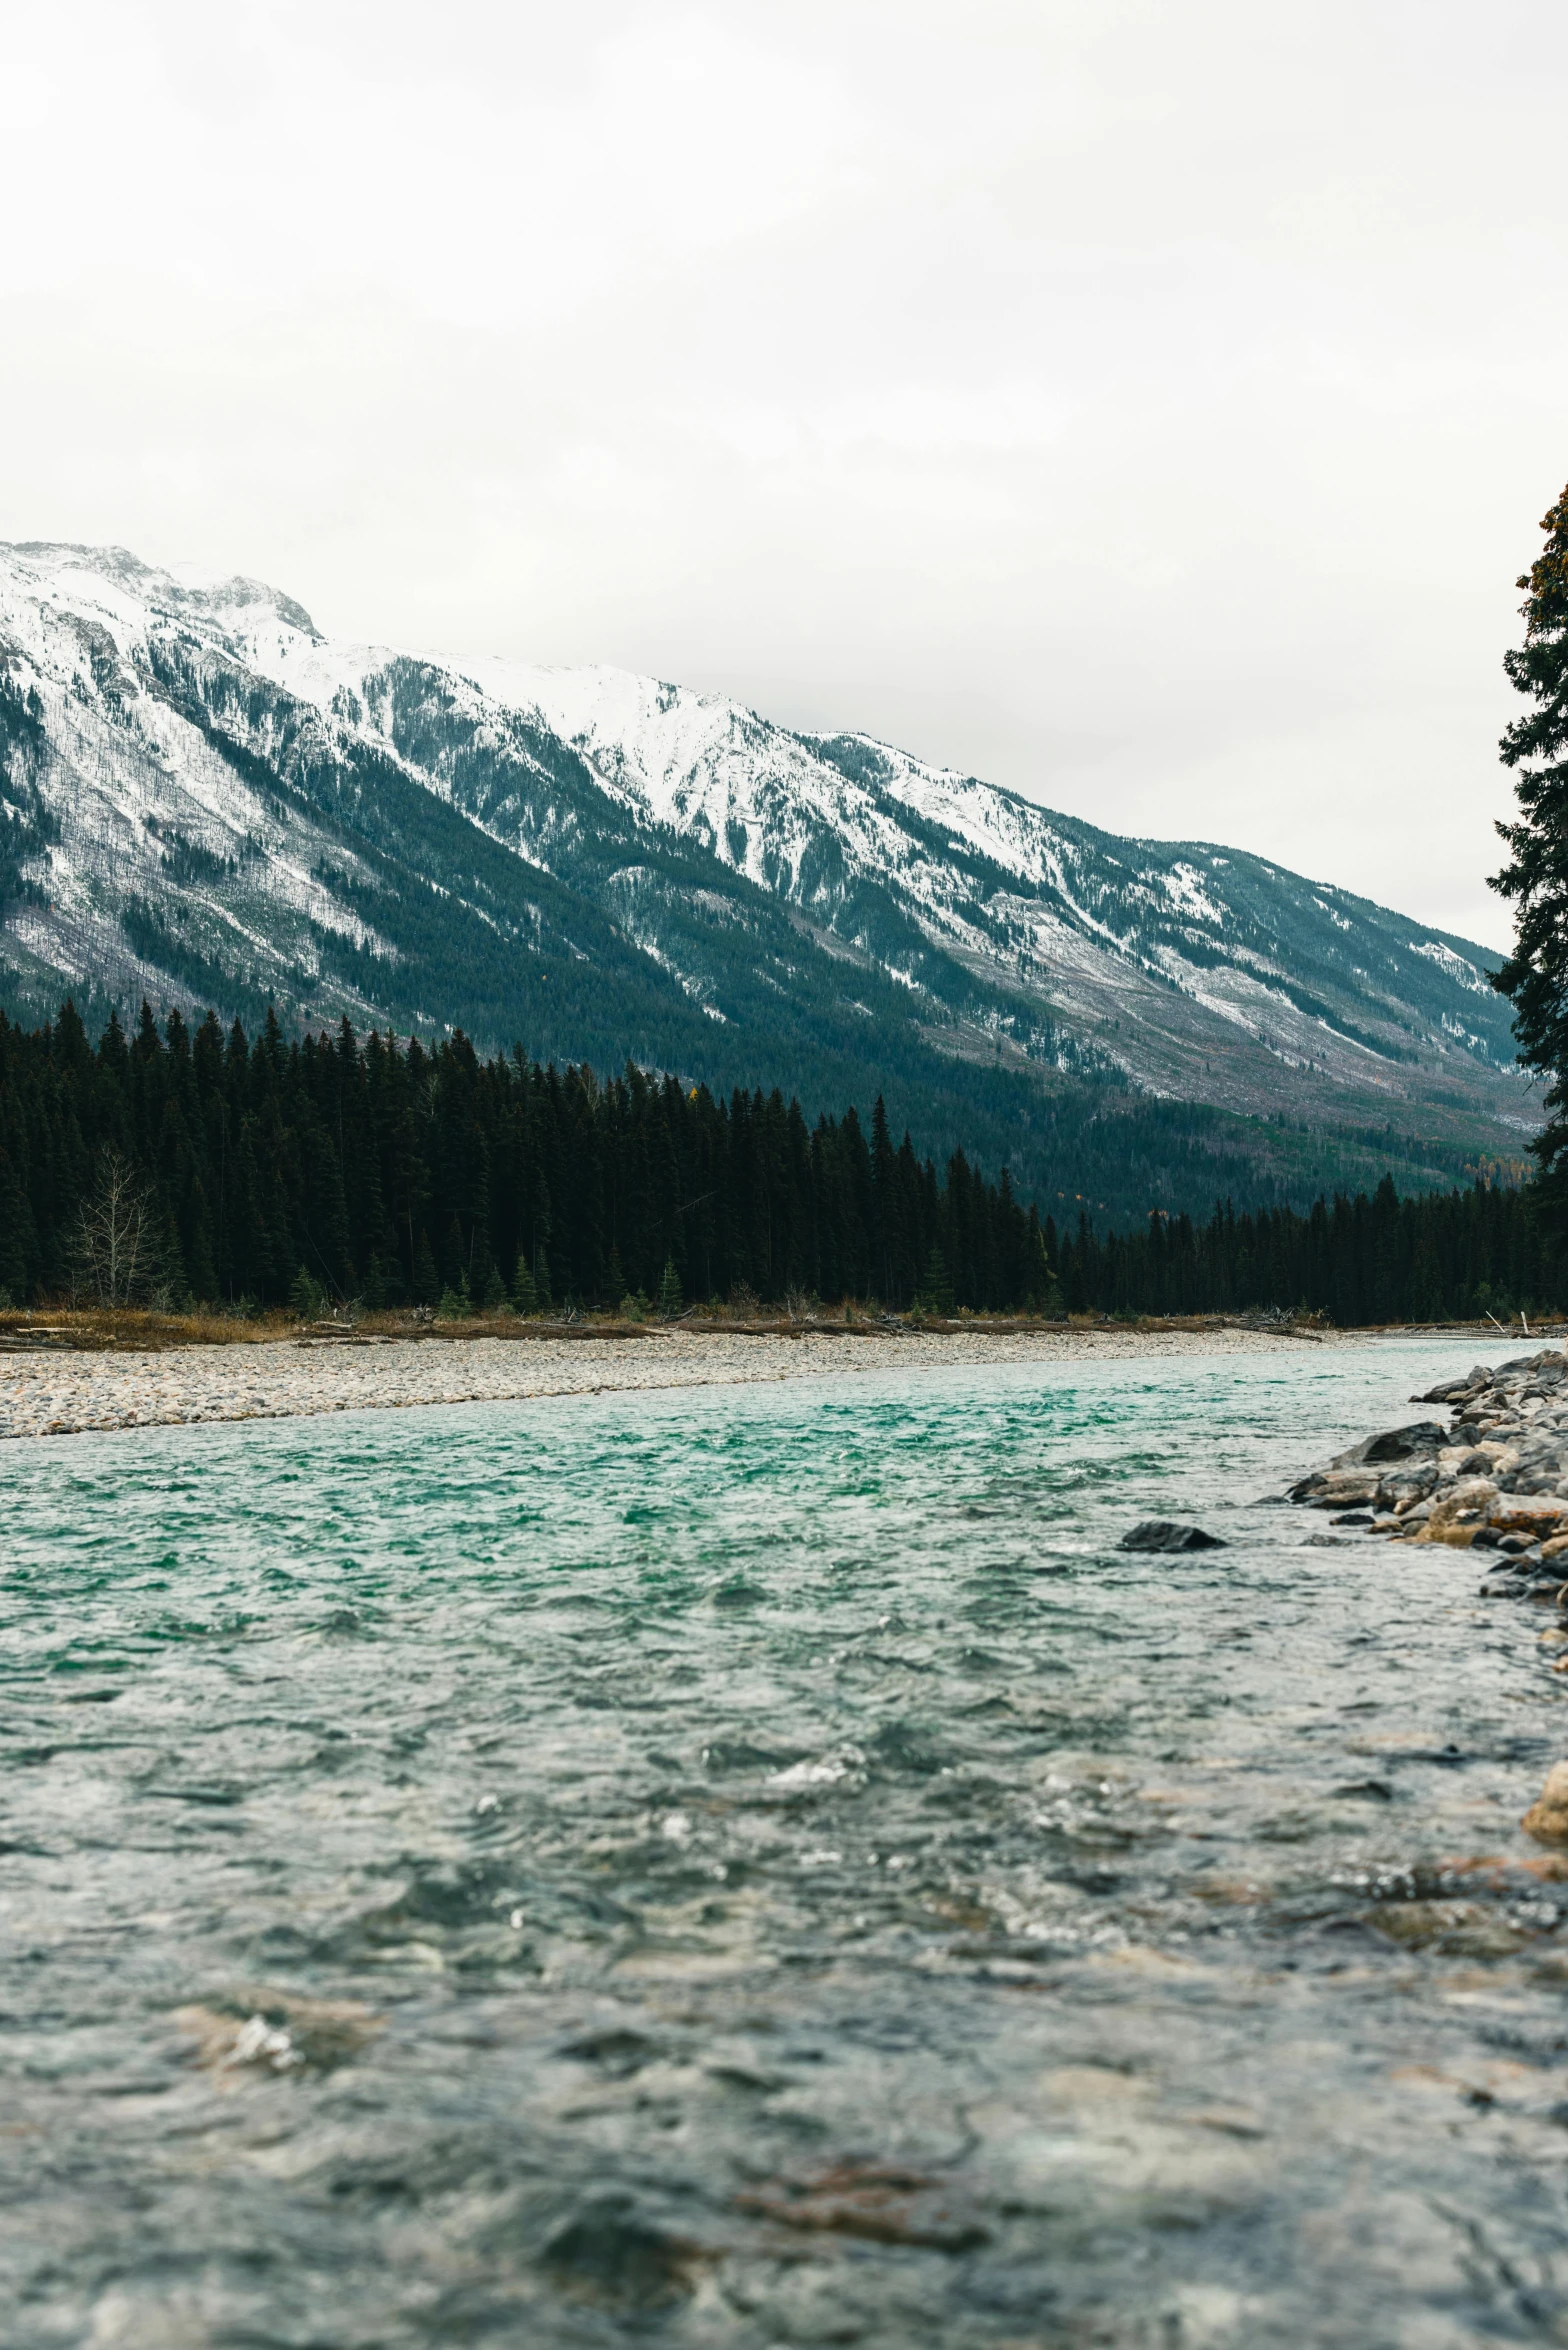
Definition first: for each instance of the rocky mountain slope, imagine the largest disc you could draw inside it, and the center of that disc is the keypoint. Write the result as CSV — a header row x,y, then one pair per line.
x,y
205,800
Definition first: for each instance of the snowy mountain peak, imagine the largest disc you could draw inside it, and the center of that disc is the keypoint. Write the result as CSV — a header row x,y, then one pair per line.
x,y
204,795
112,583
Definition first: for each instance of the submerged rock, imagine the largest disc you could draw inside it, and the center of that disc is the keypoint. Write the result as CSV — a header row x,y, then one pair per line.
x,y
881,2202
610,2254
279,2032
1170,1534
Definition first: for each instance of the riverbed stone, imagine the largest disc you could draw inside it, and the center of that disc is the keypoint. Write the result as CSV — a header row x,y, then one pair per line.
x,y
1460,1517
1393,1444
1468,1496
1340,1489
1547,1818
1459,1460
1526,1513
1170,1534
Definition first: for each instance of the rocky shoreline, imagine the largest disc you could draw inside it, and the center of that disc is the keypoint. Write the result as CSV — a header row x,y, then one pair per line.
x,y
1494,1479
57,1391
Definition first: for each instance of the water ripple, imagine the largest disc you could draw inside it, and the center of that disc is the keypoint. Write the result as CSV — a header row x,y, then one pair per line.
x,y
761,1864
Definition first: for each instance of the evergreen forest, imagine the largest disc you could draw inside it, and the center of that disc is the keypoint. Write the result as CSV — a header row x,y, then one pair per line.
x,y
262,1171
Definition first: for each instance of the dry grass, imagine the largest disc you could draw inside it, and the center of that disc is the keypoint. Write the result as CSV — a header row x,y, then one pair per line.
x,y
134,1329
97,1330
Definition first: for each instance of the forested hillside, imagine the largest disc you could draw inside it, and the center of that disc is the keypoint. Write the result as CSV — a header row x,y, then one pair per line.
x,y
205,800
250,1171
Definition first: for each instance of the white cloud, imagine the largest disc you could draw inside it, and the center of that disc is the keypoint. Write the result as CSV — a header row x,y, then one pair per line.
x,y
1147,407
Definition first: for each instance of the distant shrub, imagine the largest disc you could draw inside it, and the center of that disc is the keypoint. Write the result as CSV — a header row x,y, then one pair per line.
x,y
308,1301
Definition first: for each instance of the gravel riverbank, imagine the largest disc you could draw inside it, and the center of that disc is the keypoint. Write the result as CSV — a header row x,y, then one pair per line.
x,y
57,1392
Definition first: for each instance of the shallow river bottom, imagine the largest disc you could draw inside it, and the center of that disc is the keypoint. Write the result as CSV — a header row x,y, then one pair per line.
x,y
758,1867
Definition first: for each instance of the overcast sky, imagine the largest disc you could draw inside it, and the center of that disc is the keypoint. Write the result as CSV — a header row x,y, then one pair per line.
x,y
1147,406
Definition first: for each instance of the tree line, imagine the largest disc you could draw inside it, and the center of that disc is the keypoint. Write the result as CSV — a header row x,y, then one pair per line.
x,y
195,1164
270,1169
1438,1256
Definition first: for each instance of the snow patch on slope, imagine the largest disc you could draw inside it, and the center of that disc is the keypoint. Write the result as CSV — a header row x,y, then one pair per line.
x,y
890,861
1457,967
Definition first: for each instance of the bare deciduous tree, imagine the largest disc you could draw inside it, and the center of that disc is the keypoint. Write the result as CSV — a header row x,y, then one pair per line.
x,y
113,1251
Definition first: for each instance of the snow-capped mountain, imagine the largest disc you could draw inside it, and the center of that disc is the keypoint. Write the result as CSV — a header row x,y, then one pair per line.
x,y
205,800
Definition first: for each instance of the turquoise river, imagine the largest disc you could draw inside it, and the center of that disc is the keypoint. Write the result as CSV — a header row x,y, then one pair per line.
x,y
756,1866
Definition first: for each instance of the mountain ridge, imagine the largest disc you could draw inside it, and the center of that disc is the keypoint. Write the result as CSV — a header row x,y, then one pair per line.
x,y
207,796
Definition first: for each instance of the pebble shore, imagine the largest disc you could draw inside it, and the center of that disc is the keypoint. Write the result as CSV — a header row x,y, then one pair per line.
x,y
57,1392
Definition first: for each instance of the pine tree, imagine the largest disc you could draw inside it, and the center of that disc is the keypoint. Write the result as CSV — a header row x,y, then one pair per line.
x,y
1535,977
307,1298
669,1300
886,1237
427,1281
199,1263
936,1294
1042,1291
18,1237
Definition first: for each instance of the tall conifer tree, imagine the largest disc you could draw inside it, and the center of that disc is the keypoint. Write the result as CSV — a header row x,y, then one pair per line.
x,y
1535,746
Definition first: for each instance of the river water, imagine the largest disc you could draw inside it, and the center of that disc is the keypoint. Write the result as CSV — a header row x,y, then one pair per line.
x,y
757,1867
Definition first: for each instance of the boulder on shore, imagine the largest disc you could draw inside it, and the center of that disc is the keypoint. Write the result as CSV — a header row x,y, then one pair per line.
x,y
1394,1444
1170,1534
1547,1818
1509,1436
1527,1513
1339,1489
